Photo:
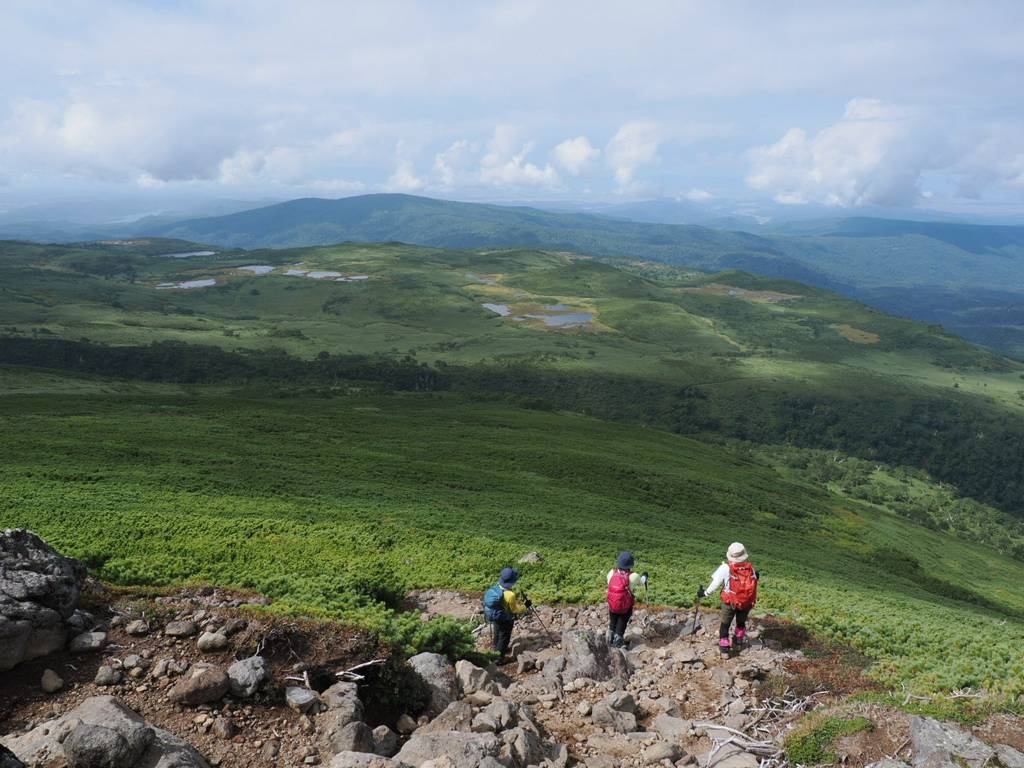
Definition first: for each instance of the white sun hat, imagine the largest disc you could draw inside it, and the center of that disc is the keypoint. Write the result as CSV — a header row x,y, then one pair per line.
x,y
736,553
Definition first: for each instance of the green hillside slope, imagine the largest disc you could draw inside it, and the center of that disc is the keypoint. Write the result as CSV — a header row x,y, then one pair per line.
x,y
333,505
862,258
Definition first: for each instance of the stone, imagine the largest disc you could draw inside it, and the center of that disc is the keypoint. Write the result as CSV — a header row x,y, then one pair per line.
x,y
1009,757
351,737
223,728
463,750
39,590
247,676
8,759
588,655
737,707
531,557
601,761
51,682
181,629
672,729
88,642
108,676
935,743
212,641
584,708
405,724
473,679
522,747
888,763
203,685
457,716
662,750
439,675
234,626
361,760
301,700
730,756
101,731
497,716
138,627
385,741
722,677
270,750
344,698
616,712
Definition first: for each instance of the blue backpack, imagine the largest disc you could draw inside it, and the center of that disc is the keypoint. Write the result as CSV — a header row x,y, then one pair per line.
x,y
494,604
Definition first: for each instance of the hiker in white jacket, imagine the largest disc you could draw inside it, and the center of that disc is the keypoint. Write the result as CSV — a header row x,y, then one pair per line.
x,y
738,581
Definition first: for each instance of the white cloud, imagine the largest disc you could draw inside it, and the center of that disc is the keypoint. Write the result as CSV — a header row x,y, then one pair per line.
x,y
450,164
698,196
404,179
574,156
633,146
505,164
874,155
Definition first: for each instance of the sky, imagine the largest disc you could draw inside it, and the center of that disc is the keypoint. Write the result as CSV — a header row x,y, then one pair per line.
x,y
842,104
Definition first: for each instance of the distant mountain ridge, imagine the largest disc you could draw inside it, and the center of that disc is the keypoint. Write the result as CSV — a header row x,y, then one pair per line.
x,y
891,263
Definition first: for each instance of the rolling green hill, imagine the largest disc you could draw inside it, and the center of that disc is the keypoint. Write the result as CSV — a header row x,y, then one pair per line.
x,y
897,265
334,425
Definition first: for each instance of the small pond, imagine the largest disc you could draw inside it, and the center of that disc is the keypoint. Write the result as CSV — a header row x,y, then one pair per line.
x,y
258,269
498,309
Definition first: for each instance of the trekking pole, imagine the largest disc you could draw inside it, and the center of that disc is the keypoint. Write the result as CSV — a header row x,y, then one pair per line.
x,y
696,608
533,612
643,580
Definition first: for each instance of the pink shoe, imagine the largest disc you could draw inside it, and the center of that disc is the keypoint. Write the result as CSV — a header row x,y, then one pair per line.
x,y
724,645
741,635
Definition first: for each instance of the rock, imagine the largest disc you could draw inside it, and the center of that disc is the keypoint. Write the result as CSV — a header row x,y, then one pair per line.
x,y
247,676
662,751
385,741
935,743
181,629
39,591
212,641
888,763
131,661
405,724
301,700
1009,757
361,760
737,707
88,642
457,716
730,756
205,684
102,731
464,750
270,750
722,677
223,728
615,711
588,655
439,674
344,698
137,628
584,708
531,557
472,679
687,655
108,676
234,626
672,729
497,716
601,761
522,747
351,737
97,746
8,759
51,682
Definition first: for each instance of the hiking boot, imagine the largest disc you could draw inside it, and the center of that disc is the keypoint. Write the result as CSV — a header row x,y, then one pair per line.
x,y
739,639
617,641
724,646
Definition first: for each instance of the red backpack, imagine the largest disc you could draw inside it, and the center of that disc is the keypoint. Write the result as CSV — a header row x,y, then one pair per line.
x,y
742,594
620,597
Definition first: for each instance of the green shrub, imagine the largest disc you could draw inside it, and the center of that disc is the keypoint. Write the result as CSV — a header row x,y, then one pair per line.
x,y
814,746
443,634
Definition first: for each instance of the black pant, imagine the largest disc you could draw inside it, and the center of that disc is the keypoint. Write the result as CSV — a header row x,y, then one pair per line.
x,y
728,612
502,633
617,622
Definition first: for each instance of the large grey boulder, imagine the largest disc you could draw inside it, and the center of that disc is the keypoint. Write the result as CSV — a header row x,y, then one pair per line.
x,y
465,750
473,679
457,716
938,745
102,733
439,675
343,699
385,741
361,760
245,677
672,729
522,748
588,655
616,711
39,591
352,737
1009,757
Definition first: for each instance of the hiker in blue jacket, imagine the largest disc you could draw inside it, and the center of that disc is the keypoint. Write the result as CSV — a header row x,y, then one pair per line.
x,y
502,606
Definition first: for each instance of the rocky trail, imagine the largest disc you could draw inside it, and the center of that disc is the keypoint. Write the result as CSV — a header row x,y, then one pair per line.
x,y
209,677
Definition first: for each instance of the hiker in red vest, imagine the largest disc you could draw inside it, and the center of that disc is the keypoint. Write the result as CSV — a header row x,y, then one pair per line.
x,y
622,582
738,581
